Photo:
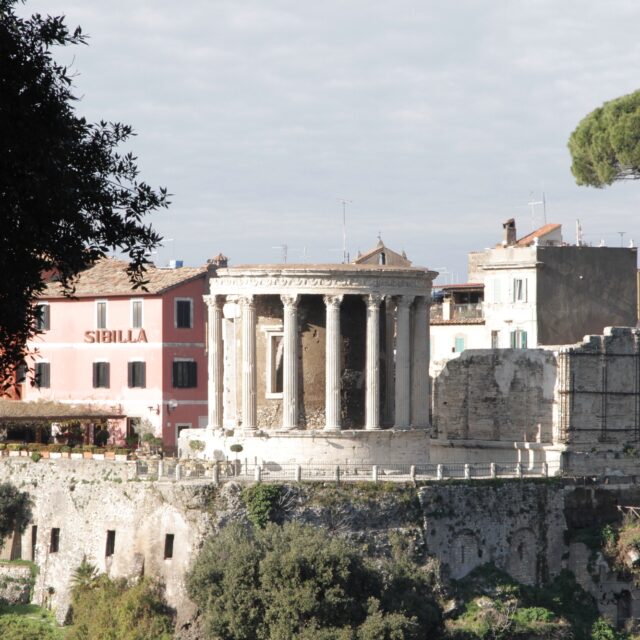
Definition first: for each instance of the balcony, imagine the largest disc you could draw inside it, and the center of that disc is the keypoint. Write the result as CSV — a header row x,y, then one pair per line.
x,y
448,312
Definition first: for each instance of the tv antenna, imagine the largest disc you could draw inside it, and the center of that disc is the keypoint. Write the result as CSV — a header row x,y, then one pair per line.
x,y
285,249
533,203
621,233
345,255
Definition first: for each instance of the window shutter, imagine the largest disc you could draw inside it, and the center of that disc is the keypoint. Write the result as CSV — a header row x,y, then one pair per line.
x,y
96,374
143,374
130,373
193,374
524,339
175,375
513,339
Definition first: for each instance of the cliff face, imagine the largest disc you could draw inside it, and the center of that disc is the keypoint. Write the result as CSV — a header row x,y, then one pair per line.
x,y
530,529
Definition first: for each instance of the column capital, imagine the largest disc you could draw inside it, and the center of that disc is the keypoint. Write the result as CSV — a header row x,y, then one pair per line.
x,y
404,301
332,300
213,300
290,300
373,300
246,300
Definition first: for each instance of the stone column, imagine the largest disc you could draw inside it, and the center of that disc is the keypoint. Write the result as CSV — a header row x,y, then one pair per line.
x,y
333,418
372,398
389,363
216,363
290,373
403,362
249,407
420,364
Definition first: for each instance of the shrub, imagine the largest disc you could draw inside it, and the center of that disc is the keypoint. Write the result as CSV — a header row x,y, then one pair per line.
x,y
196,445
261,501
296,581
65,449
36,456
105,609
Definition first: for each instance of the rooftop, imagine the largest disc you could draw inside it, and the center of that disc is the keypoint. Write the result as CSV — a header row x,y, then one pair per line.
x,y
108,277
538,233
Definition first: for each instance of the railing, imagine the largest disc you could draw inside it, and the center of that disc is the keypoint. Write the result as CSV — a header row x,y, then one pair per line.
x,y
467,311
318,472
470,311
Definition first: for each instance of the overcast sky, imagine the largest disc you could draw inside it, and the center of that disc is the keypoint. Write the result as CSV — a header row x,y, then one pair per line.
x,y
438,120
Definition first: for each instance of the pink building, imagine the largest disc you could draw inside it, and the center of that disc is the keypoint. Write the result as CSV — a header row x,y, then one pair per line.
x,y
140,353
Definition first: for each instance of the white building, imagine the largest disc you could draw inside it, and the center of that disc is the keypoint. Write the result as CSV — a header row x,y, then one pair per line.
x,y
536,291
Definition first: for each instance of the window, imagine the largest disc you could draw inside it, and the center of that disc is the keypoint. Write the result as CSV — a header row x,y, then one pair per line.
x,y
495,339
168,546
34,541
101,314
518,339
137,374
43,317
185,374
519,290
54,543
184,313
459,344
496,291
136,314
111,543
275,368
100,375
21,372
43,375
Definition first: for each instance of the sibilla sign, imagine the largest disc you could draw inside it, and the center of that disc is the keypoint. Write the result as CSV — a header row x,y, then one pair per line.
x,y
108,335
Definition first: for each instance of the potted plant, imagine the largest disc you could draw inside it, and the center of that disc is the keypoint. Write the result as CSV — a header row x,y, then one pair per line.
x,y
14,449
3,449
110,453
76,453
121,454
54,451
65,451
87,451
98,453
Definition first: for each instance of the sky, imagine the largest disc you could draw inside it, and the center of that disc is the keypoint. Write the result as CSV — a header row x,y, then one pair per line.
x,y
436,121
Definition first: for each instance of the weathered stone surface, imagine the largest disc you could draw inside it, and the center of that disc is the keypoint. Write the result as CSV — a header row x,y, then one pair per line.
x,y
15,584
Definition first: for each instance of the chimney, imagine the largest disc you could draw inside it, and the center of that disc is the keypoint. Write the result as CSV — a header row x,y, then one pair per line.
x,y
509,235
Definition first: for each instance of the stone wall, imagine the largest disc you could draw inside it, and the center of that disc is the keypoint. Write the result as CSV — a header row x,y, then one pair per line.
x,y
496,395
85,500
16,583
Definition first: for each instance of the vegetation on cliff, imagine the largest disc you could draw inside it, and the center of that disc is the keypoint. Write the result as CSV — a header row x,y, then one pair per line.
x,y
105,609
297,581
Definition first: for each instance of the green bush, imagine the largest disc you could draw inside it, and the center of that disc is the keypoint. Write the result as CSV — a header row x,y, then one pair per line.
x,y
16,626
36,456
261,501
105,609
299,582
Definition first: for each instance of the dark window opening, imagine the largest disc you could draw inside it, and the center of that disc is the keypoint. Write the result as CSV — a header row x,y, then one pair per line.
x,y
43,317
54,543
185,374
34,540
168,546
100,375
43,375
183,314
111,543
137,375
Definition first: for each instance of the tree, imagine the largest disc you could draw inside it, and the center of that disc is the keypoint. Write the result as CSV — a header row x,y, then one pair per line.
x,y
298,582
105,609
15,510
67,196
605,146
